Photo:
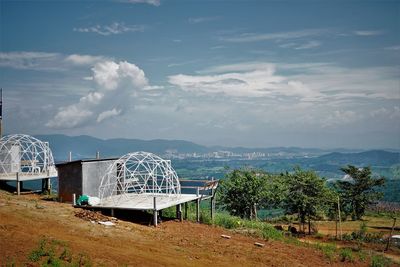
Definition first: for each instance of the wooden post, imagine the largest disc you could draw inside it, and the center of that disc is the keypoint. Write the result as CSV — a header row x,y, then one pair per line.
x,y
18,185
186,210
340,218
74,199
390,236
155,219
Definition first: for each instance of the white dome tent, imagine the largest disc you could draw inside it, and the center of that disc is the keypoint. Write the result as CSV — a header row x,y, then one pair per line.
x,y
144,181
23,157
139,173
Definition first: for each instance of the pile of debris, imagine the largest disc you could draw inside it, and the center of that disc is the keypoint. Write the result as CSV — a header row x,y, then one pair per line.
x,y
95,217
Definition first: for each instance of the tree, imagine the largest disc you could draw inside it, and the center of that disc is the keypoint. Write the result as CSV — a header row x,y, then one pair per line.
x,y
306,195
242,190
360,191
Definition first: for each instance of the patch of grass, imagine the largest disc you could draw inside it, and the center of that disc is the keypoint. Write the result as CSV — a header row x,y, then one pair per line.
x,y
38,253
329,250
362,256
380,261
346,254
318,236
10,262
55,253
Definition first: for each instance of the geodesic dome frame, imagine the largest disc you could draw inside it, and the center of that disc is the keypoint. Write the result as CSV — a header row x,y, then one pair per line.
x,y
20,153
139,173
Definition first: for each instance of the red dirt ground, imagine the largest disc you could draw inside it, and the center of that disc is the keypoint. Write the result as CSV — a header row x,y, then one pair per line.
x,y
24,220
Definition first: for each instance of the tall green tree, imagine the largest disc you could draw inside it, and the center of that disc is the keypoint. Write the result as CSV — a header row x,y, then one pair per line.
x,y
243,190
307,194
359,191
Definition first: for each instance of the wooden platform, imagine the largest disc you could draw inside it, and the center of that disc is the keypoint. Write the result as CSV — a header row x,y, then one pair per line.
x,y
146,201
23,176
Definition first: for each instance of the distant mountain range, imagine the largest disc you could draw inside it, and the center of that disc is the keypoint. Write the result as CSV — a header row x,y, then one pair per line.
x,y
86,146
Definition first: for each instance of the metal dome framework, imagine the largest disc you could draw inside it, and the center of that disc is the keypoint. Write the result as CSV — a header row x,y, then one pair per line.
x,y
27,156
139,173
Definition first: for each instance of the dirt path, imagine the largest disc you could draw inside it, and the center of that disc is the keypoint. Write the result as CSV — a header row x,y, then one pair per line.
x,y
24,220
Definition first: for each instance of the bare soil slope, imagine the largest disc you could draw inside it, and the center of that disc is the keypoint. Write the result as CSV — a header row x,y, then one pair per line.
x,y
24,220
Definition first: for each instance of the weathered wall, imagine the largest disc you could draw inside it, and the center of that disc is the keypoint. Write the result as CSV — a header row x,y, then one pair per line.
x,y
93,172
69,181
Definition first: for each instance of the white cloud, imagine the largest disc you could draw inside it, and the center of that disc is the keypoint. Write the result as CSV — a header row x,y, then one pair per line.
x,y
308,45
108,114
368,33
114,28
242,80
150,2
29,60
83,59
255,37
202,19
117,82
110,75
395,47
316,82
341,117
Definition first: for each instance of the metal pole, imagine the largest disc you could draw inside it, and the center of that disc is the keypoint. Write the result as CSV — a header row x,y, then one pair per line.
x,y
155,212
18,185
97,154
70,156
74,199
198,210
186,210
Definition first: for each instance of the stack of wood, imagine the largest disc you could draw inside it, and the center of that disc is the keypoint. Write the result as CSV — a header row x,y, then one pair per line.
x,y
89,215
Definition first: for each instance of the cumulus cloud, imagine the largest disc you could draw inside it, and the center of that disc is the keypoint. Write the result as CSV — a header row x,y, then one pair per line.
x,y
116,83
114,28
108,114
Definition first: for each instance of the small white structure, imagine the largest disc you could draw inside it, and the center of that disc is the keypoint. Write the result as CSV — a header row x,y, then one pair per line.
x,y
23,157
144,181
139,174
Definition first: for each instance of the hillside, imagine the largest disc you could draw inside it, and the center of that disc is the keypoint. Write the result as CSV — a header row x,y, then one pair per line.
x,y
131,244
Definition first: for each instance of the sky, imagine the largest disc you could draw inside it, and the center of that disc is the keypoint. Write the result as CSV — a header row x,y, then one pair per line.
x,y
323,74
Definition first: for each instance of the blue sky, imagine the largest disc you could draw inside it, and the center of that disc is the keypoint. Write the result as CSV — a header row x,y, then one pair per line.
x,y
235,73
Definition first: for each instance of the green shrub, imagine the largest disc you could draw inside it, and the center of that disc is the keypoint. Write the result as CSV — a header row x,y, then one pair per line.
x,y
380,261
346,255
